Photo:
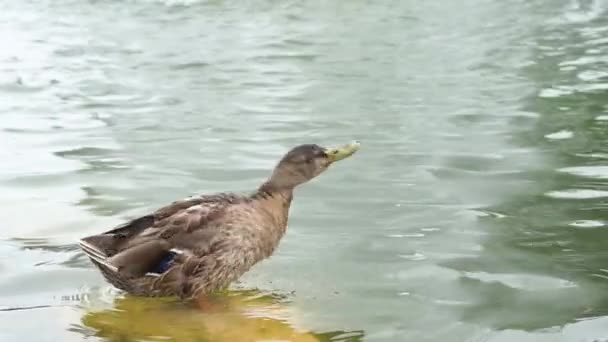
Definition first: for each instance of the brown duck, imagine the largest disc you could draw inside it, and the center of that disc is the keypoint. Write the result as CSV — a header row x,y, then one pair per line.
x,y
201,244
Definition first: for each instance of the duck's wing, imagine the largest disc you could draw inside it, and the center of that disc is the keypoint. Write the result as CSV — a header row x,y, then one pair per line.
x,y
103,245
146,246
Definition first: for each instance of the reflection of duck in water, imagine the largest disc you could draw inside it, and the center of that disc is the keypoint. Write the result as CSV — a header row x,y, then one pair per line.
x,y
201,244
239,316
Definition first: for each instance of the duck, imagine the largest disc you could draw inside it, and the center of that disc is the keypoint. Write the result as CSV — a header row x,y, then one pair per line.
x,y
201,244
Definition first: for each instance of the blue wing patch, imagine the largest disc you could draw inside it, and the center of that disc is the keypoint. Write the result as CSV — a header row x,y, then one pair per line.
x,y
165,263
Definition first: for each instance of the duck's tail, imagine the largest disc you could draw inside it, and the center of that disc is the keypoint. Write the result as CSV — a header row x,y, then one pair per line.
x,y
96,255
103,262
109,271
125,268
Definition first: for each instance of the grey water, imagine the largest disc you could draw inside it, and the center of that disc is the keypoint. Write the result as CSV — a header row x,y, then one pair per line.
x,y
476,209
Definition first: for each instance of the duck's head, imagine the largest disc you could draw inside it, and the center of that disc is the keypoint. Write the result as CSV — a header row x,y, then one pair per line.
x,y
305,162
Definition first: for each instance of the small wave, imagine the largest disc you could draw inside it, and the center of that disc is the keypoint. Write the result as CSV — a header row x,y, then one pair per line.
x,y
600,171
560,135
577,194
584,11
588,224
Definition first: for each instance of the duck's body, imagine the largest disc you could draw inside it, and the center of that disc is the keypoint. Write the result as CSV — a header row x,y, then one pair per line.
x,y
201,244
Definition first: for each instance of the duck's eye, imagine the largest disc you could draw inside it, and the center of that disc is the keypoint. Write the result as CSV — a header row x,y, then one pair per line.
x,y
319,152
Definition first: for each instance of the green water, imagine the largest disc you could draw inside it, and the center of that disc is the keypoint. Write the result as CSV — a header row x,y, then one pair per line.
x,y
476,209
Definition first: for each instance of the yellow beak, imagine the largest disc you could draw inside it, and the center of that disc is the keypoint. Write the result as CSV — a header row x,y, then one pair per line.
x,y
342,152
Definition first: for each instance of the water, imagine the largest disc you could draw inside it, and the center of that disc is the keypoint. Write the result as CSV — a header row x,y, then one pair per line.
x,y
475,211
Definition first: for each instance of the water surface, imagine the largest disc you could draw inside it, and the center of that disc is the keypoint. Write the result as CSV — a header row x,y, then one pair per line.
x,y
475,211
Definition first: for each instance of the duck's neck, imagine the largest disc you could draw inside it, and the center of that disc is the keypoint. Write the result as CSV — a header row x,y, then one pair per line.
x,y
276,200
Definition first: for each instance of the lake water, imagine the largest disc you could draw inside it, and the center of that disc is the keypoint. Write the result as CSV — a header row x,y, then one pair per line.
x,y
476,210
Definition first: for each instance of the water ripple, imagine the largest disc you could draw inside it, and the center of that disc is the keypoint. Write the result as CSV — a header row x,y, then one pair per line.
x,y
478,192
